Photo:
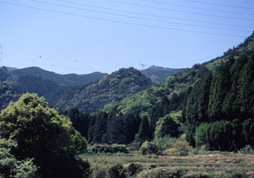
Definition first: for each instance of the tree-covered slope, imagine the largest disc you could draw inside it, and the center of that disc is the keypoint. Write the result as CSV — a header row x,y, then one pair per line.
x,y
111,88
168,98
158,74
63,80
225,102
50,85
7,94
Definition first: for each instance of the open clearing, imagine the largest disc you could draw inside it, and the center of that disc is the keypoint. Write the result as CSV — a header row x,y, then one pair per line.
x,y
191,166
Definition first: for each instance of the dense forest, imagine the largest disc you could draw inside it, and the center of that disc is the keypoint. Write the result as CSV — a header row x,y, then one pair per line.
x,y
213,106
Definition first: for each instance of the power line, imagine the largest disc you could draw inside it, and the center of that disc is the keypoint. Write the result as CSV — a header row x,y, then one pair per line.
x,y
116,21
218,4
181,11
152,15
137,18
187,6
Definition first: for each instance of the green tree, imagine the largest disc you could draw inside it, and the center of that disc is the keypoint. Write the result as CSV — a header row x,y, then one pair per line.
x,y
248,131
220,86
222,135
166,126
201,137
144,131
246,88
41,133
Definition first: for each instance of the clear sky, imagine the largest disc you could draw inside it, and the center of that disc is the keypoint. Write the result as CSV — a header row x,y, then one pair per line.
x,y
84,36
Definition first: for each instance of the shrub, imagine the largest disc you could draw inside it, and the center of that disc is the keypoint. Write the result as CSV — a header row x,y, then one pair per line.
x,y
117,171
149,148
104,148
181,148
164,143
164,173
134,169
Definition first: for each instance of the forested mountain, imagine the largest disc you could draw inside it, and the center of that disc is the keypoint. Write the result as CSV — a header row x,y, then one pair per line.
x,y
50,85
168,101
62,80
158,74
7,94
111,88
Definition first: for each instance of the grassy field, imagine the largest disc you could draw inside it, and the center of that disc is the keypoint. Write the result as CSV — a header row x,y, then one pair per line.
x,y
207,165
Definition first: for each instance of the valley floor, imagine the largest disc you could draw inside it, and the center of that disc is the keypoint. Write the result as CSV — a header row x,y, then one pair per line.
x,y
207,165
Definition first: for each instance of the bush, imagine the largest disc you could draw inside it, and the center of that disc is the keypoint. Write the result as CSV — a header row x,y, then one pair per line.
x,y
180,148
164,142
117,171
104,148
134,169
149,148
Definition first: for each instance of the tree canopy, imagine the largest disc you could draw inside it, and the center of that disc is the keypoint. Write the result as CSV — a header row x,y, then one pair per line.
x,y
39,132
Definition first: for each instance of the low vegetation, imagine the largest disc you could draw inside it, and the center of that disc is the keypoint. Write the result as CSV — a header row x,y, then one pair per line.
x,y
202,165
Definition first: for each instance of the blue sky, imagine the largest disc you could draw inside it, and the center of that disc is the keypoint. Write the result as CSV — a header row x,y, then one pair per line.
x,y
74,36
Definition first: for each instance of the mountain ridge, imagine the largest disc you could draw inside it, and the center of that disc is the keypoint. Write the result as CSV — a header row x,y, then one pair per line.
x,y
110,88
159,74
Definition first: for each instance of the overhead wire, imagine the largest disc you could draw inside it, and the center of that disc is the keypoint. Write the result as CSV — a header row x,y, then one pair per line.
x,y
180,11
219,4
115,21
199,8
152,15
137,18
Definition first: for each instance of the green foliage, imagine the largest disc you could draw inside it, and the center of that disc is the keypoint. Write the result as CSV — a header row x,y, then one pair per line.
x,y
166,126
164,143
230,99
248,131
162,173
180,148
134,169
42,134
201,135
105,148
144,131
11,166
149,148
117,171
223,134
196,102
7,94
80,120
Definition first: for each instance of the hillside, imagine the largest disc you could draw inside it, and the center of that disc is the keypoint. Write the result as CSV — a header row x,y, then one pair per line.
x,y
180,82
62,80
111,88
50,85
7,94
167,100
159,74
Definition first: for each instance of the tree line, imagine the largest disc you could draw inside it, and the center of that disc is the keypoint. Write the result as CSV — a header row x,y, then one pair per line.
x,y
218,110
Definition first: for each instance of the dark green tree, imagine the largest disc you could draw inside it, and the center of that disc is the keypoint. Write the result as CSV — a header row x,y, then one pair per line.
x,y
144,130
166,126
100,128
248,131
